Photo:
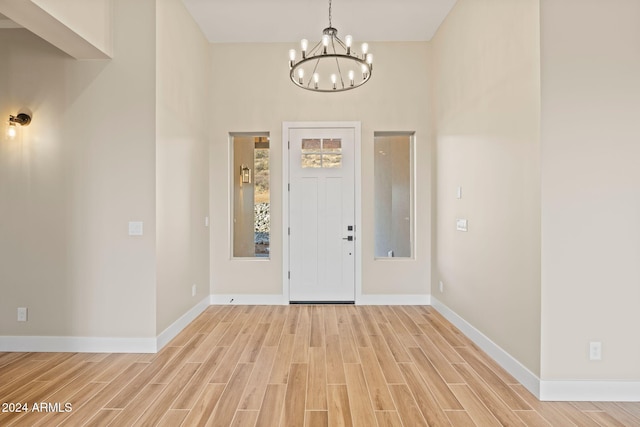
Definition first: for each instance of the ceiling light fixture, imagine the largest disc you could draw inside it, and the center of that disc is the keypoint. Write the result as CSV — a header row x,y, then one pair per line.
x,y
331,65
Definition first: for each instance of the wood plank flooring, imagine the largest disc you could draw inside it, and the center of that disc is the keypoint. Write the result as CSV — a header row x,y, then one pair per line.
x,y
291,366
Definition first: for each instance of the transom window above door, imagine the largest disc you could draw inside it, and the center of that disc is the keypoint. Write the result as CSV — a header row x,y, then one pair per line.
x,y
321,153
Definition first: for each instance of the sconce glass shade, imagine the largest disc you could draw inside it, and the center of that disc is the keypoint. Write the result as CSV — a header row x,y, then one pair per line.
x,y
11,132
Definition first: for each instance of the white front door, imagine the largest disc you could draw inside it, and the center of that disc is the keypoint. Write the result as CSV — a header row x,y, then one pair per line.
x,y
322,227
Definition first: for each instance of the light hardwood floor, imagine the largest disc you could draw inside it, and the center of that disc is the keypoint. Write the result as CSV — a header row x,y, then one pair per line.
x,y
293,366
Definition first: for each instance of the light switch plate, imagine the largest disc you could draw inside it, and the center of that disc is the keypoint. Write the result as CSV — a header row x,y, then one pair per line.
x,y
459,193
22,314
462,225
135,228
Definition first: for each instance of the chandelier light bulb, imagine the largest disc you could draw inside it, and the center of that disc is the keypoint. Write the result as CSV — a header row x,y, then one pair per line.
x,y
369,58
300,75
348,40
325,43
316,79
304,44
351,77
365,49
365,71
292,57
334,79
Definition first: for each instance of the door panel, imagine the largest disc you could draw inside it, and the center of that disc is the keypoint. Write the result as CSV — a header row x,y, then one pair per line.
x,y
321,208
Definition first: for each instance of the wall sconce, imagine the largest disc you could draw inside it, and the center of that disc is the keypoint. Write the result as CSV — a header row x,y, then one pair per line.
x,y
245,174
23,119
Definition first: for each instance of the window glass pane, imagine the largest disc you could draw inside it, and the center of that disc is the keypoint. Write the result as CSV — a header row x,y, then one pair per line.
x,y
332,160
331,145
311,146
251,198
311,161
393,195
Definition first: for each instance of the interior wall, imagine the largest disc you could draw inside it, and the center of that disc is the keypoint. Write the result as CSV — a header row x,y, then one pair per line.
x,y
73,179
82,29
251,92
590,188
487,97
182,165
89,19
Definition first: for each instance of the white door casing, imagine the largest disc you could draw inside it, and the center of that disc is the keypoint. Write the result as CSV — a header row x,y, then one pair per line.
x,y
321,227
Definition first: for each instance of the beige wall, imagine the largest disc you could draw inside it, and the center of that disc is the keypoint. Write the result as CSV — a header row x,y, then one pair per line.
x,y
90,19
251,92
73,179
487,97
590,188
182,166
81,28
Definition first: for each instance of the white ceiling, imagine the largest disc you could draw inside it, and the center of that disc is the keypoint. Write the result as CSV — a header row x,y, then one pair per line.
x,y
250,21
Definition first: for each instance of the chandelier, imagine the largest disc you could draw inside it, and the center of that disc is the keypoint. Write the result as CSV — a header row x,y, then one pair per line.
x,y
331,65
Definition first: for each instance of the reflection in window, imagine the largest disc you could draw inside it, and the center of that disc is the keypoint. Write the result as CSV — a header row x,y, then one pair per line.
x,y
321,153
393,194
251,201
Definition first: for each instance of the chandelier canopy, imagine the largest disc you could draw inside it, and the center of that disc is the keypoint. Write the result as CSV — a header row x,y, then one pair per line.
x,y
331,65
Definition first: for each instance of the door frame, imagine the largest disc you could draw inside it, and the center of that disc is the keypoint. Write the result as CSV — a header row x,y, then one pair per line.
x,y
357,137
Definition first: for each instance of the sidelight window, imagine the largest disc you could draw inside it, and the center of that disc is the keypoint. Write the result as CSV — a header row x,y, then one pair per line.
x,y
251,198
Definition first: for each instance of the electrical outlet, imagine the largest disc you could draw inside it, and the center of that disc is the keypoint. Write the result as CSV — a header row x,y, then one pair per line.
x,y
136,228
22,314
194,290
595,350
441,286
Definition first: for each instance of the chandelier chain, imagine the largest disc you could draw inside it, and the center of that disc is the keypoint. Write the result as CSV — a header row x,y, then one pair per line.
x,y
330,14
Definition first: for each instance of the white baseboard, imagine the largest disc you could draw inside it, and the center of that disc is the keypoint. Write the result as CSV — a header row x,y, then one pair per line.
x,y
384,299
176,327
278,299
560,391
249,299
592,391
38,344
504,359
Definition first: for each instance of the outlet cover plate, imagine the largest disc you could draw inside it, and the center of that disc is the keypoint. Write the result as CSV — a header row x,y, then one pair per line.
x,y
135,228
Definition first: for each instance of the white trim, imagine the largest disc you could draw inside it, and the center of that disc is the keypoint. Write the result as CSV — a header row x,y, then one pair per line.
x,y
248,299
382,299
560,391
592,391
176,327
357,130
504,359
38,344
